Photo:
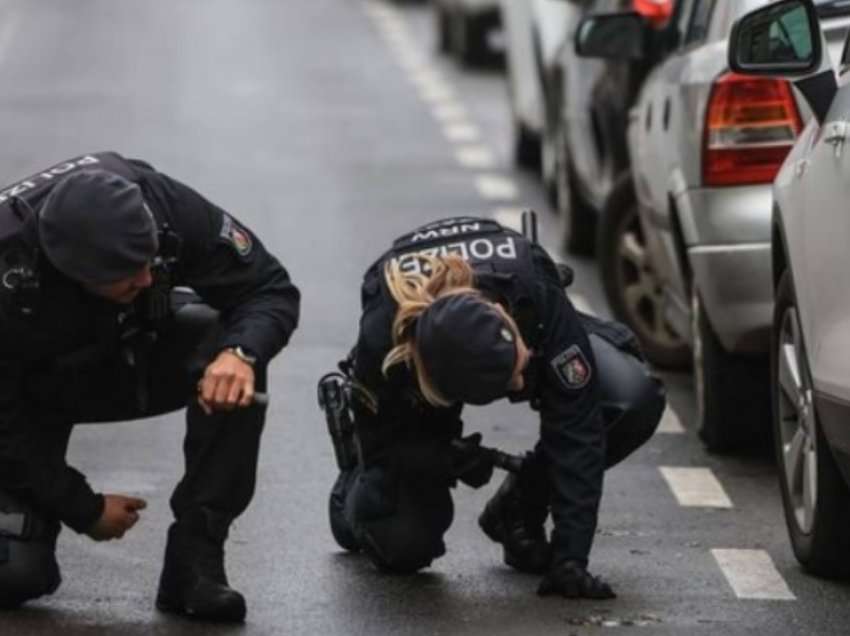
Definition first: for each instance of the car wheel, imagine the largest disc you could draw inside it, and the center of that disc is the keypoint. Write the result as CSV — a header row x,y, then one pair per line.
x,y
630,282
576,219
443,29
468,38
814,495
526,147
732,391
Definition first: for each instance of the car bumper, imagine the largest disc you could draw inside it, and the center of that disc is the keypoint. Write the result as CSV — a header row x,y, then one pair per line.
x,y
727,237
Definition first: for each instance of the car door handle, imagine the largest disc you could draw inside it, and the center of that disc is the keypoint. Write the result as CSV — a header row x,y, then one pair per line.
x,y
835,132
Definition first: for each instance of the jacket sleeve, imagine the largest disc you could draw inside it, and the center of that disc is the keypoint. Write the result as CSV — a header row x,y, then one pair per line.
x,y
230,268
572,428
32,464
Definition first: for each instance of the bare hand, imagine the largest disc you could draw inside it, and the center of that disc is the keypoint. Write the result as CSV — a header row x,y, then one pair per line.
x,y
120,513
228,382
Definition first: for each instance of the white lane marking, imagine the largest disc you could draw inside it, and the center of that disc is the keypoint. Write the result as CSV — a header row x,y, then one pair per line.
x,y
436,94
476,157
427,76
461,132
752,575
670,423
496,188
696,487
449,113
509,217
580,303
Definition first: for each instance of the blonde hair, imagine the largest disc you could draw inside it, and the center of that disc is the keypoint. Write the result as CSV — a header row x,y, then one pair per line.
x,y
435,278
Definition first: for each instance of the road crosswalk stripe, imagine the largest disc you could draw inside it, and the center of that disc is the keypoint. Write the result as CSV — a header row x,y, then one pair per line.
x,y
449,113
496,188
695,487
752,575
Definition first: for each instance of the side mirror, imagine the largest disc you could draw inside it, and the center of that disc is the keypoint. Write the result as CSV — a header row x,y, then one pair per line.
x,y
617,36
783,38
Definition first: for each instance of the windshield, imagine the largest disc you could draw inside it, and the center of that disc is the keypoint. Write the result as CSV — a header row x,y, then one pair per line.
x,y
828,8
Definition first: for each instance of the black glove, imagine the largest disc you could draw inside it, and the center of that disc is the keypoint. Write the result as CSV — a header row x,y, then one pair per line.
x,y
571,580
470,464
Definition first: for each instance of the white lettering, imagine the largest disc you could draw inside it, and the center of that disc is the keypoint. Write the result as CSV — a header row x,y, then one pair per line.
x,y
482,254
507,250
19,189
62,168
88,160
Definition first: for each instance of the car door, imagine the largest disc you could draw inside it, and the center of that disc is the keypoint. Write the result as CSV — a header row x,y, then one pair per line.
x,y
821,267
661,129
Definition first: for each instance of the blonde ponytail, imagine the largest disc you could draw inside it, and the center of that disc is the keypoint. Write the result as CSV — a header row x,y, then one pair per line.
x,y
414,293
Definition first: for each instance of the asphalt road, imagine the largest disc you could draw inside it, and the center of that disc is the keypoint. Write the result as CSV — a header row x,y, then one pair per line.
x,y
330,127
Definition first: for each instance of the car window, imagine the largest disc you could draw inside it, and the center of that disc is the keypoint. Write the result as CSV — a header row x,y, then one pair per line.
x,y
700,21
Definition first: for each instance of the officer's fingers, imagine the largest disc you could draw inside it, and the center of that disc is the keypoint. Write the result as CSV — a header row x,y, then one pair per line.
x,y
222,391
237,390
134,503
247,395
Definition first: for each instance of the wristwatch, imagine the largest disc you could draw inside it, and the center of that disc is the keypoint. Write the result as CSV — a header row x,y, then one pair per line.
x,y
243,355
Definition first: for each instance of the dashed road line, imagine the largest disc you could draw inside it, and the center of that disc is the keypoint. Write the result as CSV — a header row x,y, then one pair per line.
x,y
670,423
449,113
461,132
477,157
436,93
695,487
496,188
752,575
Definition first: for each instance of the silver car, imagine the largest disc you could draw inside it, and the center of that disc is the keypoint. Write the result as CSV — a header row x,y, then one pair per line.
x,y
685,245
810,368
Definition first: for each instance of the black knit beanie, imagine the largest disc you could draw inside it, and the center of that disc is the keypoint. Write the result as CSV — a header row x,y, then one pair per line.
x,y
96,228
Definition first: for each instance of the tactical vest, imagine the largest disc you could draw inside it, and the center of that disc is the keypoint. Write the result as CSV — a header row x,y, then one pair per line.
x,y
501,258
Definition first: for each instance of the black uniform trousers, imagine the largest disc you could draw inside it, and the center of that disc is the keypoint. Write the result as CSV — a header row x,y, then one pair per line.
x,y
400,525
221,450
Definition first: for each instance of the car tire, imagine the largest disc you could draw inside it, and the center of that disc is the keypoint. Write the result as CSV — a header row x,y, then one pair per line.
x,y
443,29
468,39
817,527
630,282
526,147
732,391
576,220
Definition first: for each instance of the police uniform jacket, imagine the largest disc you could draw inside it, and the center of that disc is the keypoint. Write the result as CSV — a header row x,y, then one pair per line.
x,y
409,436
222,260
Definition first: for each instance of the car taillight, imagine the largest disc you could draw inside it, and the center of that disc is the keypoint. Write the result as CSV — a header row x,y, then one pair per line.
x,y
658,12
751,124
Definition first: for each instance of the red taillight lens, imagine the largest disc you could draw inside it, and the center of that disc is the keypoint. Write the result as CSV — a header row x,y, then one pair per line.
x,y
658,12
751,124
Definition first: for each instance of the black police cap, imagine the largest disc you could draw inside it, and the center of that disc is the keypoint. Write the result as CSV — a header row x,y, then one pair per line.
x,y
467,349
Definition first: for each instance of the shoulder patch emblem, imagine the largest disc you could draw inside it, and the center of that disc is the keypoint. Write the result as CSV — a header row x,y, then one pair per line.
x,y
572,368
236,236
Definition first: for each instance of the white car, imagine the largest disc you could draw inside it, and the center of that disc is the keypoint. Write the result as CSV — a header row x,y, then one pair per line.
x,y
534,30
810,369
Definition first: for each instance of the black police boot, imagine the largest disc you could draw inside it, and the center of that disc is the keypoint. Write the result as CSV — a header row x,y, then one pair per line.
x,y
517,523
193,581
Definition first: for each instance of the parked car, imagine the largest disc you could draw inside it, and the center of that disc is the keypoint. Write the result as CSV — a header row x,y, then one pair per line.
x,y
464,28
810,369
684,245
587,115
534,31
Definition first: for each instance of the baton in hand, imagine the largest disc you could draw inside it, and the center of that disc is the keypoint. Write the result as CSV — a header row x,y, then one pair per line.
x,y
499,459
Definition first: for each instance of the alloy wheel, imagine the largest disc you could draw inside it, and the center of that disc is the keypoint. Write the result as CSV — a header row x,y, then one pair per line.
x,y
640,287
797,427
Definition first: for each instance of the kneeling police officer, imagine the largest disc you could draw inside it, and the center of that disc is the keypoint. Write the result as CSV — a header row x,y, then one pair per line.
x,y
97,325
466,311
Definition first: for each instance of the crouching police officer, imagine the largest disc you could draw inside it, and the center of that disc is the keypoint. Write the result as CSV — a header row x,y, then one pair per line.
x,y
93,330
466,311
